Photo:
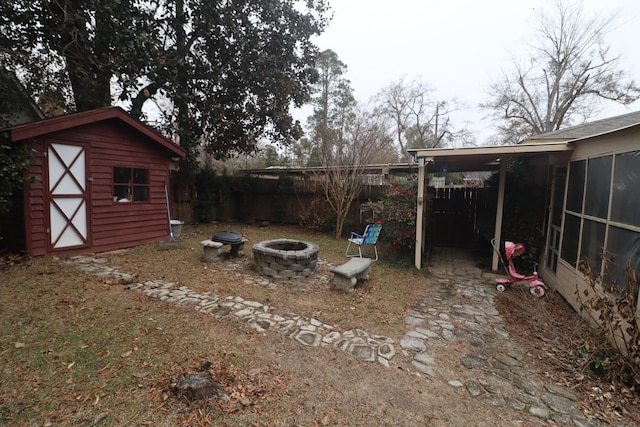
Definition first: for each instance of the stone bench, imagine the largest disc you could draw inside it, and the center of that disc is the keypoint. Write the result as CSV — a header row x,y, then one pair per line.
x,y
346,276
213,250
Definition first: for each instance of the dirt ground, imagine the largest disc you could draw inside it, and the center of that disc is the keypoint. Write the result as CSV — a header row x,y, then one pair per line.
x,y
121,348
560,344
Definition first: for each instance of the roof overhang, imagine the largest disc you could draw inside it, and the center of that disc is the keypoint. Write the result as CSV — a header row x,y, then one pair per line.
x,y
55,124
485,158
375,169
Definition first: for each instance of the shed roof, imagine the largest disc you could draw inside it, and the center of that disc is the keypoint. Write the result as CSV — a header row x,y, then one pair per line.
x,y
68,121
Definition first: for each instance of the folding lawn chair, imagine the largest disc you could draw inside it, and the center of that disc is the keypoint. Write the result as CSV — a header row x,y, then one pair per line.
x,y
369,237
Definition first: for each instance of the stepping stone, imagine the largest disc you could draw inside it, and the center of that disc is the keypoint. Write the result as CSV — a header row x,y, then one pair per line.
x,y
386,351
562,391
411,343
362,352
414,321
528,386
474,388
424,358
310,339
425,369
561,404
474,362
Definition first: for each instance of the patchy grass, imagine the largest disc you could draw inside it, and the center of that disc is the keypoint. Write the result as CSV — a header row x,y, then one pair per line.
x,y
379,306
79,350
83,351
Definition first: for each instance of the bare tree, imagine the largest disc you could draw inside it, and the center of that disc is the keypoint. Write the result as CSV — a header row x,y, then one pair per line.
x,y
345,138
363,136
418,120
569,73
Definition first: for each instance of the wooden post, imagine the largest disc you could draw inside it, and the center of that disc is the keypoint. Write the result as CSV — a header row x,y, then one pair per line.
x,y
499,209
420,213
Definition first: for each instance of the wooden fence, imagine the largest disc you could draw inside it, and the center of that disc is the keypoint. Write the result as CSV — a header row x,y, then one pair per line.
x,y
257,199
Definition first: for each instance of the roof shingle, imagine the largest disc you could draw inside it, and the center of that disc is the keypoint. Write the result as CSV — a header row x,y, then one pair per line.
x,y
591,129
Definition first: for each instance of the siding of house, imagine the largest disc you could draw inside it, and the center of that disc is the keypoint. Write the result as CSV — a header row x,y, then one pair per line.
x,y
111,225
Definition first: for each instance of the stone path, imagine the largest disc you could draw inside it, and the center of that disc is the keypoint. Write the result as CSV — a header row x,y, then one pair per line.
x,y
307,331
459,310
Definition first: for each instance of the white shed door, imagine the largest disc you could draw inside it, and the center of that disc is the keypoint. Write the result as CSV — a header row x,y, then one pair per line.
x,y
67,193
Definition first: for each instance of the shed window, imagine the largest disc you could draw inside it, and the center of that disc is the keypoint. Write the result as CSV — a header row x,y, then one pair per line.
x,y
130,184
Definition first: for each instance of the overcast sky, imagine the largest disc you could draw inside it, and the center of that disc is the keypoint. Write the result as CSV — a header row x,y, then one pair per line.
x,y
456,46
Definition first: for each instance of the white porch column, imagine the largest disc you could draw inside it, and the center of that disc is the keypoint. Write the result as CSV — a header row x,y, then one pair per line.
x,y
420,213
499,209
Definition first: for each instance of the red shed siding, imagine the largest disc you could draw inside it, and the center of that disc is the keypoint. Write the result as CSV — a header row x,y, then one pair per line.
x,y
34,208
112,225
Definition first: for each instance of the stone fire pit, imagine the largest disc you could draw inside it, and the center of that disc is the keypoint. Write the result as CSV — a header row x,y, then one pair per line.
x,y
285,258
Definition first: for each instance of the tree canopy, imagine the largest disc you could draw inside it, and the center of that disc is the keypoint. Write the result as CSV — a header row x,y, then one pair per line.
x,y
344,137
569,73
222,74
14,158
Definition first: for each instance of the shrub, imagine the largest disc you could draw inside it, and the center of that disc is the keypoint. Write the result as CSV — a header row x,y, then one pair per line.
x,y
523,218
616,313
207,185
399,214
317,215
14,159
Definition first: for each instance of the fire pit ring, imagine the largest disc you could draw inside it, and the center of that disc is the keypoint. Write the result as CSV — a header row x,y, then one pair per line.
x,y
285,258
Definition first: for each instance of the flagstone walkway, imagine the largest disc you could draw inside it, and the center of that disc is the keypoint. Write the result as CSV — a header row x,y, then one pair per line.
x,y
459,309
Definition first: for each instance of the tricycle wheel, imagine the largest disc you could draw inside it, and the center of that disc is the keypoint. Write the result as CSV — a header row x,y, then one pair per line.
x,y
537,291
500,287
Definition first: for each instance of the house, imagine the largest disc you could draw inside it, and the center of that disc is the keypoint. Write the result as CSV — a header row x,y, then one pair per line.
x,y
18,107
100,182
594,209
592,174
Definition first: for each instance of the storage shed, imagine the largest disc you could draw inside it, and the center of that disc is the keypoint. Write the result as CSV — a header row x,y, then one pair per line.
x,y
101,182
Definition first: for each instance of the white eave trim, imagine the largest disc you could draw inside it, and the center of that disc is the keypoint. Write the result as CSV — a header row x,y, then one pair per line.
x,y
497,150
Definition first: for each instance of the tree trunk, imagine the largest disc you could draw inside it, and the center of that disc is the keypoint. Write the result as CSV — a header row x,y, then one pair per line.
x,y
89,67
341,217
339,226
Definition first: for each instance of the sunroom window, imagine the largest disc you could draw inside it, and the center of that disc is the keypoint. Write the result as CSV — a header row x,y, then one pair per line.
x,y
605,229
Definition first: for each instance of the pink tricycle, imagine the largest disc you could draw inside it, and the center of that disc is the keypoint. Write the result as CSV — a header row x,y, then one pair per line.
x,y
514,250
